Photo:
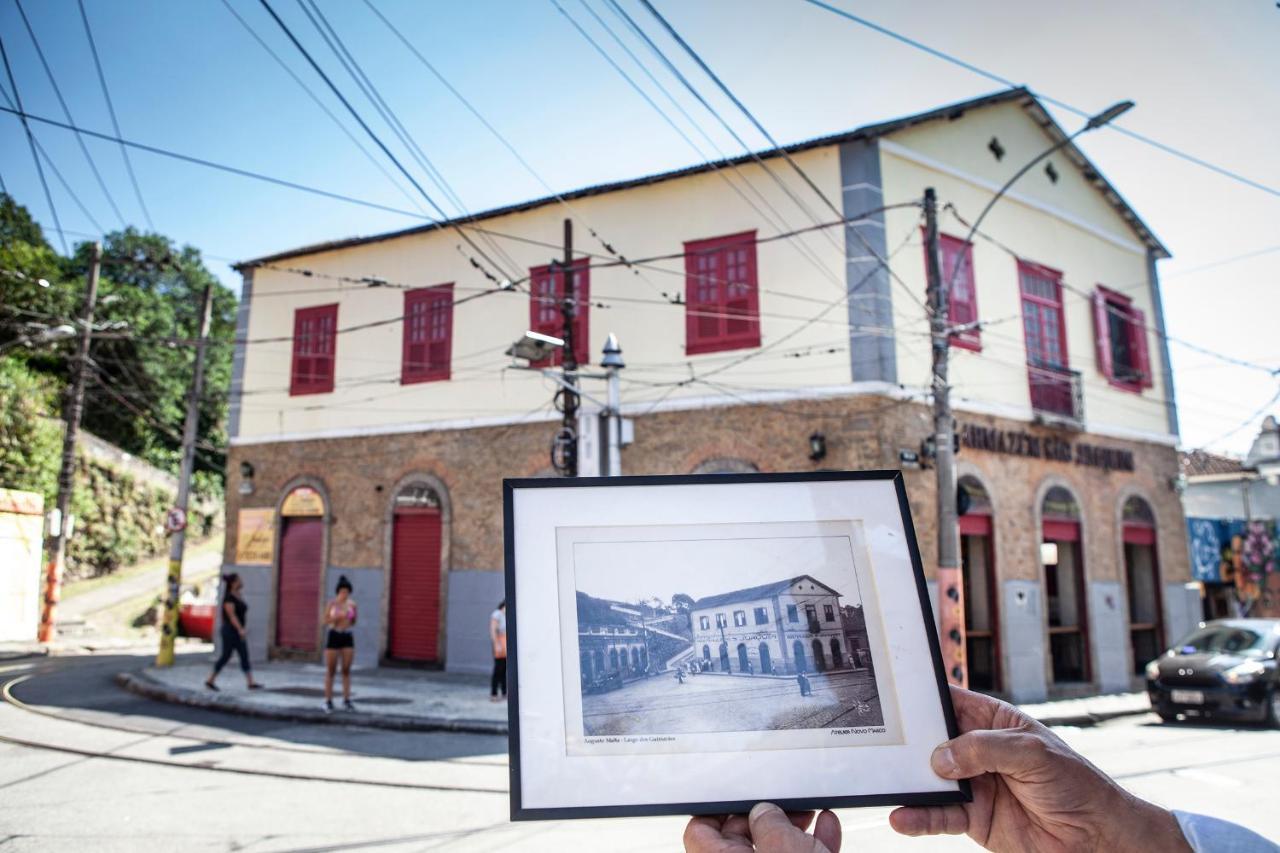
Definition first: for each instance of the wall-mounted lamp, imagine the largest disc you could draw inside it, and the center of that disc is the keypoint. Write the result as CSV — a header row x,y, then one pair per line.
x,y
246,478
1049,553
817,446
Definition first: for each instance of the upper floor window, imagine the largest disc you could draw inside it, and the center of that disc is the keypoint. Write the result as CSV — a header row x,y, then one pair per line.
x,y
793,615
314,342
957,272
1120,332
1042,319
704,623
829,612
722,303
546,296
762,616
721,621
739,618
428,334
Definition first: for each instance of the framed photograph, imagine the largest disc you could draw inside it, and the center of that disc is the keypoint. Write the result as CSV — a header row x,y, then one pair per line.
x,y
698,644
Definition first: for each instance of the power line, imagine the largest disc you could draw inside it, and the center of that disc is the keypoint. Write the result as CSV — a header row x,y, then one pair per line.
x,y
31,142
374,136
66,111
209,164
1004,81
324,107
111,110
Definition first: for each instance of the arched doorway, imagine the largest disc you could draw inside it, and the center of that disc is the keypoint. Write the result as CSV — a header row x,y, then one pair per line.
x,y
797,651
819,657
744,662
635,659
300,571
725,465
1142,581
644,660
1063,560
598,657
585,663
724,657
837,660
706,657
413,629
978,560
766,662
613,660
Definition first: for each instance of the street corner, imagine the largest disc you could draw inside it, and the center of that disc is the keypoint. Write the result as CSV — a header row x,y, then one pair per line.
x,y
295,693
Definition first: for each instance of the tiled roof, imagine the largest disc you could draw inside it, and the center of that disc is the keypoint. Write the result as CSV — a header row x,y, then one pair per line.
x,y
1198,463
756,592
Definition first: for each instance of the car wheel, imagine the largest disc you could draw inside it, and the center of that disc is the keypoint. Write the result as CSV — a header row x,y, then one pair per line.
x,y
1273,707
1167,716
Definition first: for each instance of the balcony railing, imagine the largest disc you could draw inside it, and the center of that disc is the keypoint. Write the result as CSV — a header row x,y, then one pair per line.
x,y
1057,394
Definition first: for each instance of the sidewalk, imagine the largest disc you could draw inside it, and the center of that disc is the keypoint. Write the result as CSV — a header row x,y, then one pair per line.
x,y
418,700
403,699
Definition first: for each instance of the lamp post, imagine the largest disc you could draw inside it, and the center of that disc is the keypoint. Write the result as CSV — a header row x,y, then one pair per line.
x,y
612,362
950,576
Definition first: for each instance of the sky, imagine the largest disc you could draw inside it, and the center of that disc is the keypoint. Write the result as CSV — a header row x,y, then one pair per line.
x,y
187,76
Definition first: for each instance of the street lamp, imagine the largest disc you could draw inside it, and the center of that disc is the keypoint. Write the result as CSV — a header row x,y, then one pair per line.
x,y
1102,119
535,346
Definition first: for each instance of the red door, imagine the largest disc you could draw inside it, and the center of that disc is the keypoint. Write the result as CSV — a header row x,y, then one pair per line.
x,y
415,585
298,595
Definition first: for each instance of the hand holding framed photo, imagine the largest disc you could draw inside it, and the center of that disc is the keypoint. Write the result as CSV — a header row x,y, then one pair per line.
x,y
694,645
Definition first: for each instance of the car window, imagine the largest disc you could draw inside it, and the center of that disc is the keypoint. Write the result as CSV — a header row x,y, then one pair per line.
x,y
1224,638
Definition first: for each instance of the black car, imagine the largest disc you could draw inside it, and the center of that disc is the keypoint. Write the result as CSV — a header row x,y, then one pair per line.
x,y
1225,669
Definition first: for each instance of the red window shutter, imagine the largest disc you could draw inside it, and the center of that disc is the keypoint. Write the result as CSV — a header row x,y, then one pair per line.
x,y
428,334
1138,340
963,297
722,297
546,292
1102,334
315,335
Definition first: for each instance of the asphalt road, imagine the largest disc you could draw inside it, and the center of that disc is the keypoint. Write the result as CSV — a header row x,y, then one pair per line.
x,y
101,769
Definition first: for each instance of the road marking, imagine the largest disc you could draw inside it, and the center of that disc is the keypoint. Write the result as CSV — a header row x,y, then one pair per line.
x,y
1209,777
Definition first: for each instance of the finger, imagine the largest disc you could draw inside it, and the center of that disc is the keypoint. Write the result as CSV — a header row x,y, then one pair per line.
x,y
800,820
1012,752
772,830
929,820
827,831
702,835
736,826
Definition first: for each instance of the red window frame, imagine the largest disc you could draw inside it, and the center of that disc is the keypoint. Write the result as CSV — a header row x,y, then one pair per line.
x,y
1055,302
1106,302
962,300
427,342
315,341
546,292
722,296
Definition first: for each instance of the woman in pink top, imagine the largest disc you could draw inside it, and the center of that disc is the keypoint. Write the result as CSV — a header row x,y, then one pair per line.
x,y
339,618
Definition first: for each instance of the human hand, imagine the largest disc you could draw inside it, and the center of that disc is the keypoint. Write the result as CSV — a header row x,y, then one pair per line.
x,y
242,632
768,829
1031,791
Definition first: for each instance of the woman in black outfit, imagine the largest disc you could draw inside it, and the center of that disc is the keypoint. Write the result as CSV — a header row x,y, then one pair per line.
x,y
233,632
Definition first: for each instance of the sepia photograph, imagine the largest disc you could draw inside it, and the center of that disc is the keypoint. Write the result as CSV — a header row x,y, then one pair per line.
x,y
697,630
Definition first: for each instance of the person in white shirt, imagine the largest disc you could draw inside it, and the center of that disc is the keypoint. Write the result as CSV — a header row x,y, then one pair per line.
x,y
498,638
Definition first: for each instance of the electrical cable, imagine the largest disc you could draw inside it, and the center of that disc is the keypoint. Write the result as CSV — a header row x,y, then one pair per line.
x,y
374,136
946,57
111,110
31,142
66,111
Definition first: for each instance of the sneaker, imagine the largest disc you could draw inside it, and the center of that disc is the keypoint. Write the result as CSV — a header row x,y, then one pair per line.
x,y
347,706
328,706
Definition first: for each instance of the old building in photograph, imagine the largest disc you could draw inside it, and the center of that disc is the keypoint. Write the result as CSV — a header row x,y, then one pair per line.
x,y
781,628
609,642
770,321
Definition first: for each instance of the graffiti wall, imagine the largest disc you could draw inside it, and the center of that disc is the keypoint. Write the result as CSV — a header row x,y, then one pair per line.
x,y
1243,555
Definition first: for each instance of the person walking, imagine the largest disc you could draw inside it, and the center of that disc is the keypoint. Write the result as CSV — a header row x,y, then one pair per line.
x,y
498,636
232,632
340,645
803,680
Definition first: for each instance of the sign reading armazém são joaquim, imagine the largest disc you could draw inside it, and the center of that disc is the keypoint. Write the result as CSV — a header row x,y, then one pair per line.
x,y
1052,448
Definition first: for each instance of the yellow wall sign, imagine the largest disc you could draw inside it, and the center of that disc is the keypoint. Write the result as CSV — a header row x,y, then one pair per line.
x,y
303,500
256,537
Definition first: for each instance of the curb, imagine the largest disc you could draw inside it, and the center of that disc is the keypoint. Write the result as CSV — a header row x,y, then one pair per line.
x,y
1092,719
149,688
11,657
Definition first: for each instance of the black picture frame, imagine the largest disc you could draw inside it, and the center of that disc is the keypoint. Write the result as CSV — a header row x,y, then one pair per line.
x,y
519,812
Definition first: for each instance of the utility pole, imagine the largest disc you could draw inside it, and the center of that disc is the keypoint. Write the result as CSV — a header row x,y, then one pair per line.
x,y
950,572
169,625
569,359
612,363
67,473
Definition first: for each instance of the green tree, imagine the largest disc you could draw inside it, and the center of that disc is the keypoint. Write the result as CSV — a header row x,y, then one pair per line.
x,y
30,442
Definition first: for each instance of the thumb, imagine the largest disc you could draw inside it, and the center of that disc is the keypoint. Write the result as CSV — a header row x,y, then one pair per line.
x,y
1017,753
772,830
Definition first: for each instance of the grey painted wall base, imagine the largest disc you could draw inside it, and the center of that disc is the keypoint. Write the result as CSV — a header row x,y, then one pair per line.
x,y
473,594
1023,641
257,595
1182,611
1108,625
367,594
